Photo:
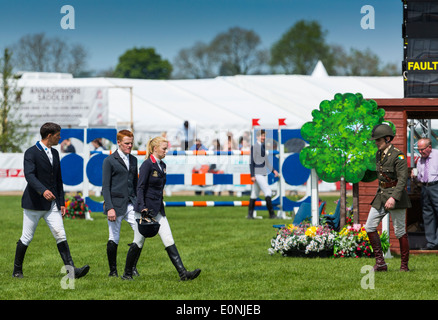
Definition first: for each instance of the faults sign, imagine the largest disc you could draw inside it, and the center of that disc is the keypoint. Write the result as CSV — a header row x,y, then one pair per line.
x,y
422,66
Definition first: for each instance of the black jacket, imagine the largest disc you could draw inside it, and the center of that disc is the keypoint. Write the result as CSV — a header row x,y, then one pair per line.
x,y
119,185
150,187
41,175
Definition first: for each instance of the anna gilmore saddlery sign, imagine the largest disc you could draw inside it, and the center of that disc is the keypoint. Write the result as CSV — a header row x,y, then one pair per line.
x,y
66,106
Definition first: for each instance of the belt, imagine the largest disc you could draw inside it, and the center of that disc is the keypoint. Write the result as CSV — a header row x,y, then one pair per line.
x,y
427,184
385,185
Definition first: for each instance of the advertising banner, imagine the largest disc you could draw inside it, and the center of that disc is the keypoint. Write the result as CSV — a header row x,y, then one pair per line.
x,y
67,106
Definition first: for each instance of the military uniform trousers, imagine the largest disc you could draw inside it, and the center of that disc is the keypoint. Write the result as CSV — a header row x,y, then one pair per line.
x,y
398,217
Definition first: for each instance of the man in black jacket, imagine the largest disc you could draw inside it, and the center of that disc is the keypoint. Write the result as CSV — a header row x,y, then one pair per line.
x,y
44,198
119,189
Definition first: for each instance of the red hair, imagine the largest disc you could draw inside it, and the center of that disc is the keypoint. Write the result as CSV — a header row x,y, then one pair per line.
x,y
124,133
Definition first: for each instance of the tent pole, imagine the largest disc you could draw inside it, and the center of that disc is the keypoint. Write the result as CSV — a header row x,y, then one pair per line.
x,y
132,110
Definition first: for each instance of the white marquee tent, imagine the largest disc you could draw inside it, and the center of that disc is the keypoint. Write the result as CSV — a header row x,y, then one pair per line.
x,y
224,103
212,106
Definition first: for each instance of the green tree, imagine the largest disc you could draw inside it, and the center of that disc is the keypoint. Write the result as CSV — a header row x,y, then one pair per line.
x,y
300,48
13,132
340,148
236,52
142,63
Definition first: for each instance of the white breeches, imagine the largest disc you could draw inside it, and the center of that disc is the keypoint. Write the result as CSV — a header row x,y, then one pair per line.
x,y
130,216
53,218
114,226
261,183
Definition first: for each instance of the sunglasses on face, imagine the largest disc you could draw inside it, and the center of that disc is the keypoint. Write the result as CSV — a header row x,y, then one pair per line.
x,y
423,148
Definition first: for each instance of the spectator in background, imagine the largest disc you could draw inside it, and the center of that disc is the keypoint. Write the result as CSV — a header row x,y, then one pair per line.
x,y
67,146
188,135
244,144
427,167
97,144
230,144
198,146
215,145
164,135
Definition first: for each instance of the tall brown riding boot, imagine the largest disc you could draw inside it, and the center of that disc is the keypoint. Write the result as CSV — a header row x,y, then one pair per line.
x,y
404,252
378,253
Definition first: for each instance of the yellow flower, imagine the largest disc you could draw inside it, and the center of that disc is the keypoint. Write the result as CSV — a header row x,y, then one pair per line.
x,y
311,232
344,231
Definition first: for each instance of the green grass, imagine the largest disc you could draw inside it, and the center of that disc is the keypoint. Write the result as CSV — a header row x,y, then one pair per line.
x,y
231,251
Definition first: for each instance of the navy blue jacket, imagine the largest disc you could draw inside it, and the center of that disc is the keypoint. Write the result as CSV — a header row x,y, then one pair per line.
x,y
151,182
40,176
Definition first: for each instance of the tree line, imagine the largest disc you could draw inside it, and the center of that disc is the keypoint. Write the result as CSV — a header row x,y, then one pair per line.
x,y
232,52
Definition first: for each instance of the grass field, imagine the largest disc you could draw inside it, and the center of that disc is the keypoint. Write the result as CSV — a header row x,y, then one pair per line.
x,y
231,251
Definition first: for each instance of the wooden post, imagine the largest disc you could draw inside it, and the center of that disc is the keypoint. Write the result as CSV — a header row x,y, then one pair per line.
x,y
343,200
355,203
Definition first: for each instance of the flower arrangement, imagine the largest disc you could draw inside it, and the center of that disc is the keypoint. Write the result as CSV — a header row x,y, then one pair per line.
x,y
304,239
75,207
351,241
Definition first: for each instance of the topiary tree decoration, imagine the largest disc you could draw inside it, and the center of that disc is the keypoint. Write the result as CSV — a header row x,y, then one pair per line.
x,y
340,148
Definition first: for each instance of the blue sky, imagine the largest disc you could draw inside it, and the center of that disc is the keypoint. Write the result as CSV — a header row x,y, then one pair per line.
x,y
107,28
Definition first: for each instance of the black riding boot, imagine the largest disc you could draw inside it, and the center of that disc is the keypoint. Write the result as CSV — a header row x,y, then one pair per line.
x,y
251,208
111,251
64,251
20,251
272,214
134,267
176,260
130,260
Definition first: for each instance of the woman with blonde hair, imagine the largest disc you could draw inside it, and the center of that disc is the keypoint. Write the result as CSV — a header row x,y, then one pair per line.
x,y
151,182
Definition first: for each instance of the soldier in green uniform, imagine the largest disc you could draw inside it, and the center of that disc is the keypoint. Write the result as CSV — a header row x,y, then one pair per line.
x,y
391,196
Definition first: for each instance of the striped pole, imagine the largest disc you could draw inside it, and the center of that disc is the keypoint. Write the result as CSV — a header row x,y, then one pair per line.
x,y
212,203
193,152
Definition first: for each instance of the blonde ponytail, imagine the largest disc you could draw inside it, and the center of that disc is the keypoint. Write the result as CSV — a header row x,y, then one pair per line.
x,y
152,143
